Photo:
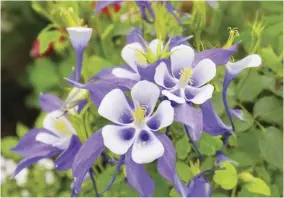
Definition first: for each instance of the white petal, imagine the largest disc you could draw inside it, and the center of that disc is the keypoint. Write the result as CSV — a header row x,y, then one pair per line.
x,y
252,60
199,95
163,78
57,123
146,94
204,71
123,73
163,117
182,56
146,148
47,138
132,56
154,46
118,139
173,97
115,108
63,143
79,36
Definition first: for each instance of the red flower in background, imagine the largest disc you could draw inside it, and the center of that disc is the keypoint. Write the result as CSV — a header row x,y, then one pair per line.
x,y
35,51
107,11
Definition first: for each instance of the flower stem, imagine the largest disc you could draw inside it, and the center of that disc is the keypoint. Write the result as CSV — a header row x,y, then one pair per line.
x,y
120,162
192,143
93,181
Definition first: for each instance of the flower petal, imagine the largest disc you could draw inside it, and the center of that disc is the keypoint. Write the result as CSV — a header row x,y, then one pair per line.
x,y
123,73
102,4
199,187
27,161
191,117
238,113
118,139
57,123
28,145
204,71
47,138
167,163
145,94
219,56
49,102
155,45
182,56
146,148
223,158
131,54
136,36
115,108
147,72
88,153
163,78
163,116
212,123
65,160
175,96
199,95
138,178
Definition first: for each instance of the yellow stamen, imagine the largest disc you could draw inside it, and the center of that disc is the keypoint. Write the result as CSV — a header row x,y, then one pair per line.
x,y
185,76
139,114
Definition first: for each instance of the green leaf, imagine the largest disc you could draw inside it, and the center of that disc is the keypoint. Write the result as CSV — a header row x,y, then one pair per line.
x,y
6,144
43,75
208,145
21,129
269,109
174,193
258,186
271,146
183,171
46,38
183,147
271,60
227,178
263,174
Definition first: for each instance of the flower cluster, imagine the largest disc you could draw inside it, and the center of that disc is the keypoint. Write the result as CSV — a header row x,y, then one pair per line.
x,y
162,82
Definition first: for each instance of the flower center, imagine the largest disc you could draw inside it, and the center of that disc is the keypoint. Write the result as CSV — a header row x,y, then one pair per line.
x,y
186,76
61,127
139,115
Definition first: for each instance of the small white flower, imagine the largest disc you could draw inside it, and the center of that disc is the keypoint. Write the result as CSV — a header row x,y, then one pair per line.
x,y
10,167
21,178
79,36
47,164
49,178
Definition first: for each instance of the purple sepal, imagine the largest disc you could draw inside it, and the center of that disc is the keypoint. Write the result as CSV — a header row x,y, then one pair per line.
x,y
107,75
102,4
28,146
171,10
199,187
65,159
138,178
220,56
40,154
212,123
148,72
167,163
49,102
179,40
85,158
136,36
221,157
191,117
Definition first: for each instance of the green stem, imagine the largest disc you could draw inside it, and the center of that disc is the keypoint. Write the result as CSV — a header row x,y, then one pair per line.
x,y
233,194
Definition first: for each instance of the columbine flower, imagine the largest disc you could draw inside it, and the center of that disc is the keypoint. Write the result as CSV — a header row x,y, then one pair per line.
x,y
232,70
56,136
79,37
185,81
134,134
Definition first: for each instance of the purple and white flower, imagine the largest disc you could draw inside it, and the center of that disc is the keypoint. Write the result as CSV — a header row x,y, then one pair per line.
x,y
56,136
134,136
186,82
135,125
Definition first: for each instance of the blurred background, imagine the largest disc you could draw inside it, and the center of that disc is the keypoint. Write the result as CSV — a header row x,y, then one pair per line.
x,y
36,54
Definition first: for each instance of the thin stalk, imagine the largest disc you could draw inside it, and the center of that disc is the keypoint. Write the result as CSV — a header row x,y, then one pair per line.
x,y
93,181
192,143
